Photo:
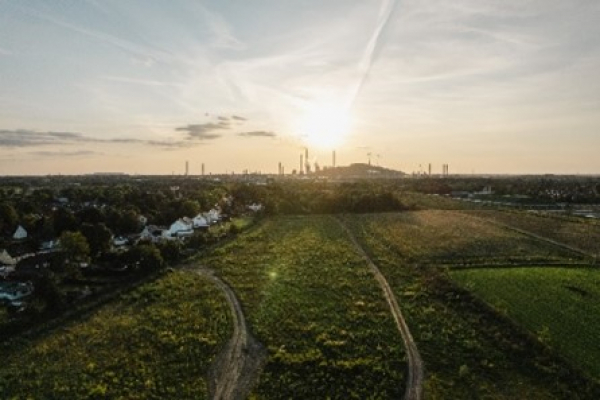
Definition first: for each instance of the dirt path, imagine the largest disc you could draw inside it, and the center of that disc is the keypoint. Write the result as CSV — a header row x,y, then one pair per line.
x,y
238,366
414,383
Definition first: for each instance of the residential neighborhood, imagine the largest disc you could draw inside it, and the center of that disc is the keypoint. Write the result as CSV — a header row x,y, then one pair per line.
x,y
78,240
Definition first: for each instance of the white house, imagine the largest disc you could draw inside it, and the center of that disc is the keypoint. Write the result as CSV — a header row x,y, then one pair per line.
x,y
255,207
151,233
20,233
49,245
7,259
179,228
213,216
120,241
200,222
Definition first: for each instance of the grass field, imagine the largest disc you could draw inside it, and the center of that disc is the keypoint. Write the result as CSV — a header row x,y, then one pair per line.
x,y
559,305
470,351
315,305
312,301
580,233
155,342
447,237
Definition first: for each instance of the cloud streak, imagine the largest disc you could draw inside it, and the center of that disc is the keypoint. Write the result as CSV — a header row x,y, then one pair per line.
x,y
25,138
207,131
387,7
257,134
76,153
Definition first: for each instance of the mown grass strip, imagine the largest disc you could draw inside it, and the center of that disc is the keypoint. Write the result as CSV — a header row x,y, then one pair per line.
x,y
561,306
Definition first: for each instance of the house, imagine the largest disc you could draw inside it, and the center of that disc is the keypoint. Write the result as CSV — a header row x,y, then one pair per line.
x,y
152,233
120,241
255,207
179,228
15,291
486,191
213,216
7,259
6,271
20,233
49,245
199,222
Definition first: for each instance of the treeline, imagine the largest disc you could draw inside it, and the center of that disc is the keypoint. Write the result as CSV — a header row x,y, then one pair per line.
x,y
322,198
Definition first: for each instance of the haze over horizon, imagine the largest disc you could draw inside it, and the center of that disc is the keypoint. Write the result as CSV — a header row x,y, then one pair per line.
x,y
142,86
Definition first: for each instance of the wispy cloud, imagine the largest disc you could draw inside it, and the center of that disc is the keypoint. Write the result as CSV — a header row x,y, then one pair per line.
x,y
29,138
76,153
144,82
257,134
387,7
145,53
205,131
223,36
238,118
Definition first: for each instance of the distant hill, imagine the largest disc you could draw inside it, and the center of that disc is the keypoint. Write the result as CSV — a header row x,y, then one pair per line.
x,y
361,170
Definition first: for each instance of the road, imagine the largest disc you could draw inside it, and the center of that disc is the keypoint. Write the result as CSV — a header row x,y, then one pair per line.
x,y
414,383
238,366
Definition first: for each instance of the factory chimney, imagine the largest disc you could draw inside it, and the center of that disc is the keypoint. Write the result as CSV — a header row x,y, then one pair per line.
x,y
333,159
306,161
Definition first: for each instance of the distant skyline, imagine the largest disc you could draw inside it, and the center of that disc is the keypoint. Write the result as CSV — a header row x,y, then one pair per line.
x,y
142,86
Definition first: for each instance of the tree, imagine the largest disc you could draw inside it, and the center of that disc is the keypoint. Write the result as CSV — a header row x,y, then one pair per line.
x,y
8,217
189,208
98,237
146,257
76,249
64,220
170,251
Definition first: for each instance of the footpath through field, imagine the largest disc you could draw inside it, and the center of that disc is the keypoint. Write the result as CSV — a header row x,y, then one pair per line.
x,y
238,366
414,384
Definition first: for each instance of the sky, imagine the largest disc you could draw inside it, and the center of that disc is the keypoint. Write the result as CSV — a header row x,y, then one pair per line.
x,y
141,87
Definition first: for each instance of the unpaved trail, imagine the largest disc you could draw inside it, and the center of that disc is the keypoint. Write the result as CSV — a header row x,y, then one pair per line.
x,y
238,366
414,383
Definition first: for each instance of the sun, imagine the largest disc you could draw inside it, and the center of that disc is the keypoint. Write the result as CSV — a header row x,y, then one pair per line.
x,y
325,125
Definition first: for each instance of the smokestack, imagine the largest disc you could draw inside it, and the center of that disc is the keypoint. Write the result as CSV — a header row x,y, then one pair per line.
x,y
301,165
279,169
429,169
333,159
306,162
187,168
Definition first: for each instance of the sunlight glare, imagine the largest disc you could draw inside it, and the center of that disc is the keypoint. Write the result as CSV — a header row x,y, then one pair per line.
x,y
325,125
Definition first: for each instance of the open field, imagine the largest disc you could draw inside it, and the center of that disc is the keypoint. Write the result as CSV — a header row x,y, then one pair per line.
x,y
560,305
577,232
469,350
311,299
452,238
155,342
